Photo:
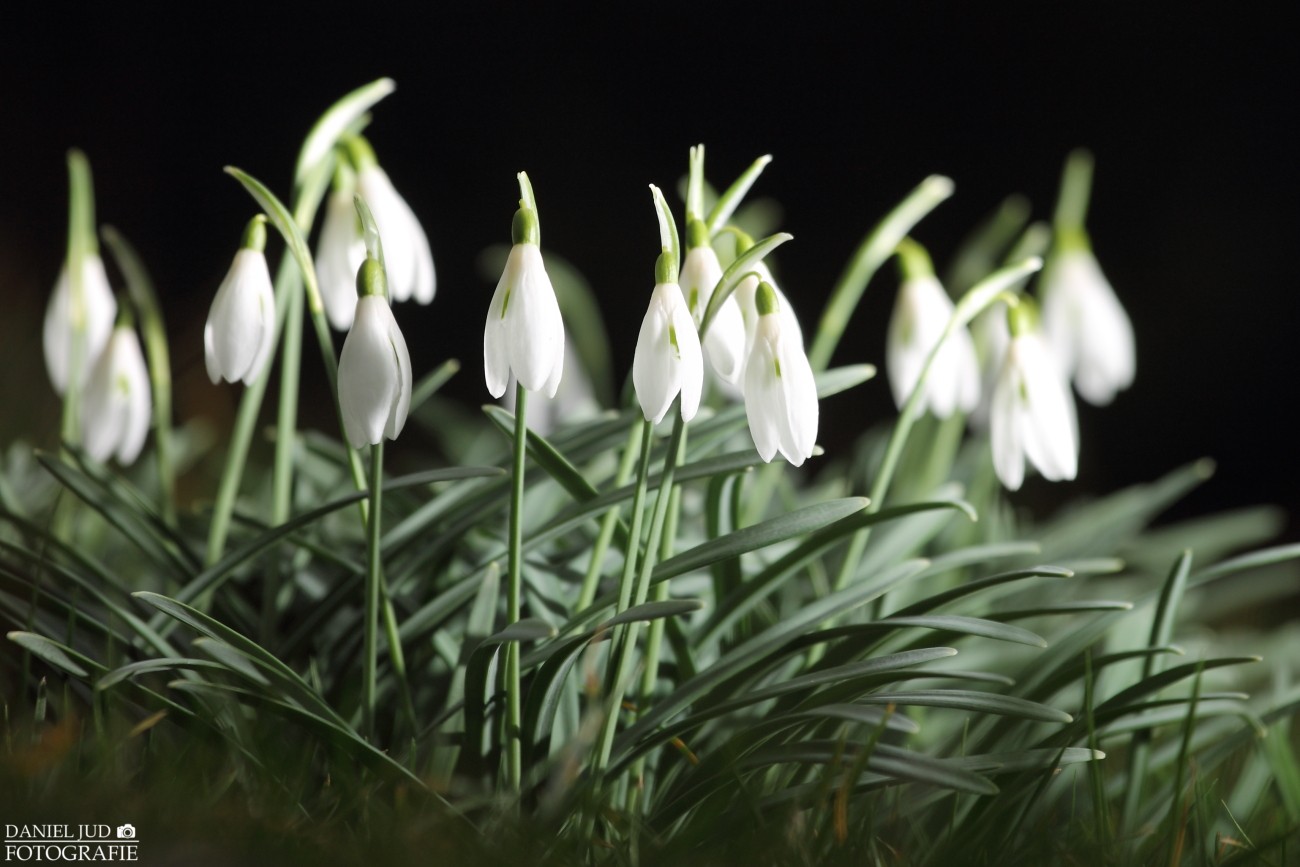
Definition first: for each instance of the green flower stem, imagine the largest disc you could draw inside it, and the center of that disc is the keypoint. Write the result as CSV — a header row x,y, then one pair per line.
x,y
81,243
514,588
282,475
141,289
625,643
591,581
870,255
625,589
374,576
655,636
1076,190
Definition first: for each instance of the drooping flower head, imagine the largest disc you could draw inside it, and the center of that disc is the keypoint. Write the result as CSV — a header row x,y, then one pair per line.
x,y
921,313
524,333
79,317
1032,413
340,250
407,257
780,392
240,331
118,406
724,342
668,360
374,367
1086,325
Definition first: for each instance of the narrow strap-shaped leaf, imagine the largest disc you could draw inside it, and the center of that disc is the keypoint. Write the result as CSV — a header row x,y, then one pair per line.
x,y
806,520
51,651
146,666
957,624
647,611
976,702
1253,560
1069,674
209,578
127,523
893,761
743,599
232,659
734,195
863,715
301,691
1063,608
335,121
1027,760
939,599
765,642
736,272
546,688
336,733
838,379
476,676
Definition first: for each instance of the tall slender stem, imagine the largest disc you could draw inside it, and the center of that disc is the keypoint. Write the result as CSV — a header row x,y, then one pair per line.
x,y
282,475
514,587
374,576
591,581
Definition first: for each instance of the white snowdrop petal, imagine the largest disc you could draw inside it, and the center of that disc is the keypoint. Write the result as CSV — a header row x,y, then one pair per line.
x,y
103,410
394,225
139,399
1047,427
1004,426
1088,329
532,314
99,309
369,378
725,341
557,365
691,359
426,277
799,390
763,406
496,362
655,368
210,355
339,254
402,404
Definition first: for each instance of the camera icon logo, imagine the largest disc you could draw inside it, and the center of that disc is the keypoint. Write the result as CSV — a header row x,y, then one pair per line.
x,y
126,832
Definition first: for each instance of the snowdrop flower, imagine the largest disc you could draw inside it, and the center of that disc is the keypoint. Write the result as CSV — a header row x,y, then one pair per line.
x,y
990,336
374,367
1032,412
117,406
83,327
668,360
524,333
240,331
921,314
340,252
724,342
780,393
1086,325
407,257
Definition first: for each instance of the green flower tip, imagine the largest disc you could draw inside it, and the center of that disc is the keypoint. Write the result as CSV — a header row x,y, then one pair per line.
x,y
1071,238
125,312
361,153
697,234
913,260
743,240
666,268
255,234
525,229
765,299
371,279
1022,318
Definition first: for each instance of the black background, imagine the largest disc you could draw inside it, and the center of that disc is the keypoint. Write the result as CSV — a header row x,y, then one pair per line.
x,y
1187,110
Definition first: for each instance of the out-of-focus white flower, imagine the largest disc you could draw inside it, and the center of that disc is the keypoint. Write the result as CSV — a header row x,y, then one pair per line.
x,y
921,313
374,367
117,406
240,331
1032,413
780,392
724,342
339,253
990,336
407,257
524,333
1086,325
668,360
88,335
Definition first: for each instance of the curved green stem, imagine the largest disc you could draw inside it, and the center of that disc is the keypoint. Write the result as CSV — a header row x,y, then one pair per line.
x,y
591,580
374,575
514,701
